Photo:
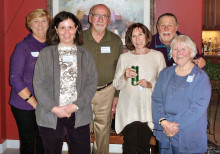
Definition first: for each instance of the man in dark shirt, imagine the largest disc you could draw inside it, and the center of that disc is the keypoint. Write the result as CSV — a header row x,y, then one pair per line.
x,y
106,48
167,30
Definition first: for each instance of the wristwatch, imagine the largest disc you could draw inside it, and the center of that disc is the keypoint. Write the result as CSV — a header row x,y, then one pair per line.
x,y
162,119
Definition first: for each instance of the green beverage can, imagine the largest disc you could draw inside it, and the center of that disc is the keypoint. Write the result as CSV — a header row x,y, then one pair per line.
x,y
136,78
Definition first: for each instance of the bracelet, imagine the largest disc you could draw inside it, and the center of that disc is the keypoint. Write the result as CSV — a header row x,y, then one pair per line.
x,y
28,98
161,120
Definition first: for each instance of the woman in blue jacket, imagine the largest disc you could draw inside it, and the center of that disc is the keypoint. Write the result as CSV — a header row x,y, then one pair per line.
x,y
180,101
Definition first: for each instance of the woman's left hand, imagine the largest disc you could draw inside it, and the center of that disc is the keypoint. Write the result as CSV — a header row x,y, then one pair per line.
x,y
71,108
143,83
170,128
60,112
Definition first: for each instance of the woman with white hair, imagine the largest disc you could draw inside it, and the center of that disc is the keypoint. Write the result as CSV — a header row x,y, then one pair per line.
x,y
180,101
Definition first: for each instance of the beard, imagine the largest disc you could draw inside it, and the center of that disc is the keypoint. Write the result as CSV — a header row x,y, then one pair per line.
x,y
167,36
100,27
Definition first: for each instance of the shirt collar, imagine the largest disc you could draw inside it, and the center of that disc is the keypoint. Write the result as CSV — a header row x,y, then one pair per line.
x,y
106,37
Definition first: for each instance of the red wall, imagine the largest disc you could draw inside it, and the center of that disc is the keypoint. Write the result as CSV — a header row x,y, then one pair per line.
x,y
189,16
188,12
2,66
15,12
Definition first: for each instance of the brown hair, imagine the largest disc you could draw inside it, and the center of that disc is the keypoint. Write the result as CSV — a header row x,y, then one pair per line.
x,y
128,36
52,36
37,14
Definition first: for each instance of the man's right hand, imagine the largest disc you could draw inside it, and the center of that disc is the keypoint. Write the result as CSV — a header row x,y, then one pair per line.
x,y
114,105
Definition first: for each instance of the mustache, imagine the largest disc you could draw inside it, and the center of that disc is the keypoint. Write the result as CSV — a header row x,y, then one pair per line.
x,y
100,23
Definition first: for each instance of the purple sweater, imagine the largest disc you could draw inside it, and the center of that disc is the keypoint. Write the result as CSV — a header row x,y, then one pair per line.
x,y
22,70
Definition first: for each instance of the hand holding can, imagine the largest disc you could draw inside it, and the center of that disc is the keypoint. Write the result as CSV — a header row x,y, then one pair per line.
x,y
136,78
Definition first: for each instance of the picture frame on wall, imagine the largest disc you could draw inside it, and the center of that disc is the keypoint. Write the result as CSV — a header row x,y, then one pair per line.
x,y
123,12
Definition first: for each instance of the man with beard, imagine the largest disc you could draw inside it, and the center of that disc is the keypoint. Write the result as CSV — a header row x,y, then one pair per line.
x,y
106,48
167,30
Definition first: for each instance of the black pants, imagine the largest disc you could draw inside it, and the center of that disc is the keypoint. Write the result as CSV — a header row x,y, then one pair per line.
x,y
78,139
30,141
136,138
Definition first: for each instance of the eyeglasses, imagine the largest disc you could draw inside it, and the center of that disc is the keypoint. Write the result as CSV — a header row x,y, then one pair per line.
x,y
97,16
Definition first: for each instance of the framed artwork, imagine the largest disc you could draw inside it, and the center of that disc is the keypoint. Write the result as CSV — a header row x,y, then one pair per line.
x,y
123,12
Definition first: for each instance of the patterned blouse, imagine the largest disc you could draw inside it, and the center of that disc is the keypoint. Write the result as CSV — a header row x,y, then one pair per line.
x,y
68,74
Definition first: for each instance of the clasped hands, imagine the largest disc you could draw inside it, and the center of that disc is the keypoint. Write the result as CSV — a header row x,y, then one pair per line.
x,y
170,128
131,73
64,111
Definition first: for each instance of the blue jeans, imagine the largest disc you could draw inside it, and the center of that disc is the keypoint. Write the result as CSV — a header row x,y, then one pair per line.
x,y
167,148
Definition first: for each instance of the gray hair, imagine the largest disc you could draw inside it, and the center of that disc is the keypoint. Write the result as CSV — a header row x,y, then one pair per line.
x,y
187,42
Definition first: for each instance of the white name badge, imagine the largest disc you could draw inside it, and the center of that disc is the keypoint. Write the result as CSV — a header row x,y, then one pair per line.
x,y
105,50
35,54
67,58
190,78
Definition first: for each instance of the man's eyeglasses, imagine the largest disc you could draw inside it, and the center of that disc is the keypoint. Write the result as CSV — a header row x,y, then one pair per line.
x,y
97,16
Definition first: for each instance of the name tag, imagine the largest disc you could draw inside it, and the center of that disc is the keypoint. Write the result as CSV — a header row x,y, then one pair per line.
x,y
35,53
105,50
68,58
190,78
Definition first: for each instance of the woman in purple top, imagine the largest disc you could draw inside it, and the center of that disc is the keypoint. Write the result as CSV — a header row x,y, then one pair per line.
x,y
22,100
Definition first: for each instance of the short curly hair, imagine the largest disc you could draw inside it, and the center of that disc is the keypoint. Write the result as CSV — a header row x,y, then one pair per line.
x,y
186,42
37,14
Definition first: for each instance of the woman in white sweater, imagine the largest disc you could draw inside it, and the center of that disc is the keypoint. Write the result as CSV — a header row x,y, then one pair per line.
x,y
133,111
